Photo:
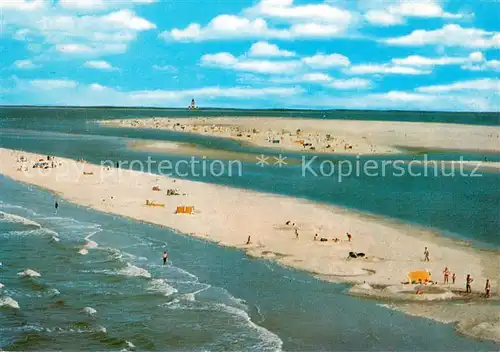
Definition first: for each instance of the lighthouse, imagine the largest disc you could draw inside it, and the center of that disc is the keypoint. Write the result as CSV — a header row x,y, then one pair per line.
x,y
192,106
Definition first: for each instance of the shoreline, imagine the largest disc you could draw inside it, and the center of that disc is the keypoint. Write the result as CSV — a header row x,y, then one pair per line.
x,y
392,250
348,137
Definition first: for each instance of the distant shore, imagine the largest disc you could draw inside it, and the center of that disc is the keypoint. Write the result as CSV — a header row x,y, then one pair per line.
x,y
330,136
279,228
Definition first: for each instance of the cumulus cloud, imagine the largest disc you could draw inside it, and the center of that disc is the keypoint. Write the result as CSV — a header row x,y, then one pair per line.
x,y
228,61
417,60
326,80
301,21
366,69
49,84
326,60
263,48
396,13
99,65
451,35
486,84
92,5
25,65
58,30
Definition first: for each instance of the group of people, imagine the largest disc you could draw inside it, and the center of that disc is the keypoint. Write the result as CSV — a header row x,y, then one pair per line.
x,y
468,282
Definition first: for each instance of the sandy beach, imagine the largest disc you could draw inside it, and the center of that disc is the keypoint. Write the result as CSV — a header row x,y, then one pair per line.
x,y
391,249
331,136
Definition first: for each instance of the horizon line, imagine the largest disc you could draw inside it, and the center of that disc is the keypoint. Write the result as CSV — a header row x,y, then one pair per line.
x,y
238,109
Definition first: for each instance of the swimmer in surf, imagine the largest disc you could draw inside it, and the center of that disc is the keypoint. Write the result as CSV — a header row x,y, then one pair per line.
x,y
165,257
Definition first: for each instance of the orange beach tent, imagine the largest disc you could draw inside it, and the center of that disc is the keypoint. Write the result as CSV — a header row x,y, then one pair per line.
x,y
184,210
419,275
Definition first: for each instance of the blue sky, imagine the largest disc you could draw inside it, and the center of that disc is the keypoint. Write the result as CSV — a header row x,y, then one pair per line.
x,y
366,54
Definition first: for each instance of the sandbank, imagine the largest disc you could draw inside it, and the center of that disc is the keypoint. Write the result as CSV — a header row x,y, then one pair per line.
x,y
228,216
331,136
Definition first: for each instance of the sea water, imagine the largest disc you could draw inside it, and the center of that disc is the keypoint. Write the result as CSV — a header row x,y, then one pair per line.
x,y
119,295
102,284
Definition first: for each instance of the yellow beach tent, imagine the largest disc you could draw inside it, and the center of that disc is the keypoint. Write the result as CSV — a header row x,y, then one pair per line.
x,y
419,275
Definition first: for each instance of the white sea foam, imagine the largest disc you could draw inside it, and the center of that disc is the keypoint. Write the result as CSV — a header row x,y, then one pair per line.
x,y
29,273
268,338
17,219
129,344
132,270
83,251
1,285
161,285
8,302
89,311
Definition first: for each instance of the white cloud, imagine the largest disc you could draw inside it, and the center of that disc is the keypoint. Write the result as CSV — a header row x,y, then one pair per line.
x,y
301,21
383,18
22,5
219,59
214,92
491,65
286,10
326,61
449,35
486,84
349,84
53,83
315,77
326,81
92,49
366,69
25,64
92,5
228,61
99,65
396,13
417,60
98,87
57,30
263,48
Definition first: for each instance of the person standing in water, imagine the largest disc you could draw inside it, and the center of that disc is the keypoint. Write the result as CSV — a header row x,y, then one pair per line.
x,y
56,205
426,255
453,277
165,257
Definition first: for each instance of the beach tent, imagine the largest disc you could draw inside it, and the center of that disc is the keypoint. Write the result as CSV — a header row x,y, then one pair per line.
x,y
419,275
184,209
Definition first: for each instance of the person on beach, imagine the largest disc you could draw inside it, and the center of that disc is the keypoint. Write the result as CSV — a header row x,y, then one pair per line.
x,y
426,255
453,277
487,289
446,273
468,281
165,257
248,240
316,237
296,234
349,236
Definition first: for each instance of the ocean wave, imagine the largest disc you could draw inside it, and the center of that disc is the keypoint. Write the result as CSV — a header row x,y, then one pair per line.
x,y
13,218
9,302
268,340
89,311
161,285
29,273
132,270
